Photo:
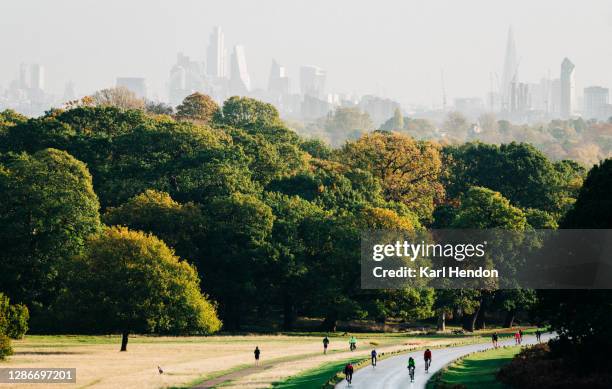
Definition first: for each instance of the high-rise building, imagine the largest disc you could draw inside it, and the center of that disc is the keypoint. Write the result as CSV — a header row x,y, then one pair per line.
x,y
510,73
240,82
137,85
278,83
216,54
596,102
186,77
37,77
312,81
567,89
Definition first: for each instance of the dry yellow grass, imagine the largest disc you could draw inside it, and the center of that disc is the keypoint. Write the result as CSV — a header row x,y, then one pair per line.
x,y
99,364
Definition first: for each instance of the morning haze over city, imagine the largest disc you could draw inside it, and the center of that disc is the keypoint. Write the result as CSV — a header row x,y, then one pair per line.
x,y
526,62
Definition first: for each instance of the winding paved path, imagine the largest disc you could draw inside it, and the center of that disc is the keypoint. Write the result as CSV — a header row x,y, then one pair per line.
x,y
392,373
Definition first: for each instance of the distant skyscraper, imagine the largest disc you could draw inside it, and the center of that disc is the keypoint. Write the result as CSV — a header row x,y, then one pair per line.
x,y
215,58
312,81
69,92
137,85
596,103
37,77
186,77
567,88
279,82
23,76
240,82
510,73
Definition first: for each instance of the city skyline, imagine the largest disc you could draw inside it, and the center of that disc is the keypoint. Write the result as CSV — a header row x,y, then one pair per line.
x,y
400,58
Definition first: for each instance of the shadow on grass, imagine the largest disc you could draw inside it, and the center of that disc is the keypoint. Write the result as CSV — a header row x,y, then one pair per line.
x,y
479,370
314,378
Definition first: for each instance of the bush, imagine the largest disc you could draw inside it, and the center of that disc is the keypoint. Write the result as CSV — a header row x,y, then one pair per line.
x,y
13,318
18,317
536,368
5,347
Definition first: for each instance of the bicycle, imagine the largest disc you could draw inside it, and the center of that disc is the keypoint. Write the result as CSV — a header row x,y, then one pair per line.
x,y
411,372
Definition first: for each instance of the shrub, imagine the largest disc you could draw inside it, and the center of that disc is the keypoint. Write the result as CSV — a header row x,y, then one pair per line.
x,y
5,347
13,318
18,317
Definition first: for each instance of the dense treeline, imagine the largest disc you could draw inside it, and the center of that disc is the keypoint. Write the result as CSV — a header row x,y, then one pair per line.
x,y
228,216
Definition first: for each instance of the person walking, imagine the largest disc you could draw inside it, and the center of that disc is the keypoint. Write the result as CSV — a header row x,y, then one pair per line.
x,y
538,335
495,338
257,353
374,356
325,344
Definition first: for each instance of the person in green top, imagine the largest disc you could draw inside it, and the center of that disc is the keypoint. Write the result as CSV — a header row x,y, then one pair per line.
x,y
411,368
353,343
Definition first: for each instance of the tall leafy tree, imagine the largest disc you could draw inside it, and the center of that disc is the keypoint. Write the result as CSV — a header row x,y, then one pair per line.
x,y
409,170
129,281
48,208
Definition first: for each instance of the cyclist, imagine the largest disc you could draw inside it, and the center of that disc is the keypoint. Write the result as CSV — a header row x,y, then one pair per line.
x,y
325,344
411,368
353,343
348,372
517,338
374,354
495,338
427,357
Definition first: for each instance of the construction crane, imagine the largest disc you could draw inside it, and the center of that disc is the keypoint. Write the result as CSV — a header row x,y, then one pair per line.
x,y
443,91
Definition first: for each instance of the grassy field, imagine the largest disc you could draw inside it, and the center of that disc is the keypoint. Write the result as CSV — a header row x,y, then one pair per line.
x,y
478,370
190,360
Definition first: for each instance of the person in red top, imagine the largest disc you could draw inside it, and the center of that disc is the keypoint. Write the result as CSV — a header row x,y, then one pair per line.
x,y
348,372
427,357
517,338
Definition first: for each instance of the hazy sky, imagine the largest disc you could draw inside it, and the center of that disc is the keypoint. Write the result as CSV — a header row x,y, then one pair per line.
x,y
391,48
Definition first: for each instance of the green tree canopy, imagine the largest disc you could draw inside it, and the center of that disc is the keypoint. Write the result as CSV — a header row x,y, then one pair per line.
x,y
48,208
129,281
197,107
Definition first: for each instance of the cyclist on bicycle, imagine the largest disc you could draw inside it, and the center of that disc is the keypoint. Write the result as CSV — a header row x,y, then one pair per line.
x,y
427,357
411,368
353,343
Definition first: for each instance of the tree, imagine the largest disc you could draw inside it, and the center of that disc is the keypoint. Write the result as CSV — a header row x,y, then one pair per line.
x,y
518,171
158,108
582,317
48,208
178,225
483,208
348,120
197,107
245,112
409,170
593,207
130,282
120,97
234,251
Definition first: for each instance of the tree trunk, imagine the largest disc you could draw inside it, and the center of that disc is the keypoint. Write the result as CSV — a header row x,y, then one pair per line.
x,y
442,321
289,316
509,320
480,318
331,322
469,321
124,340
